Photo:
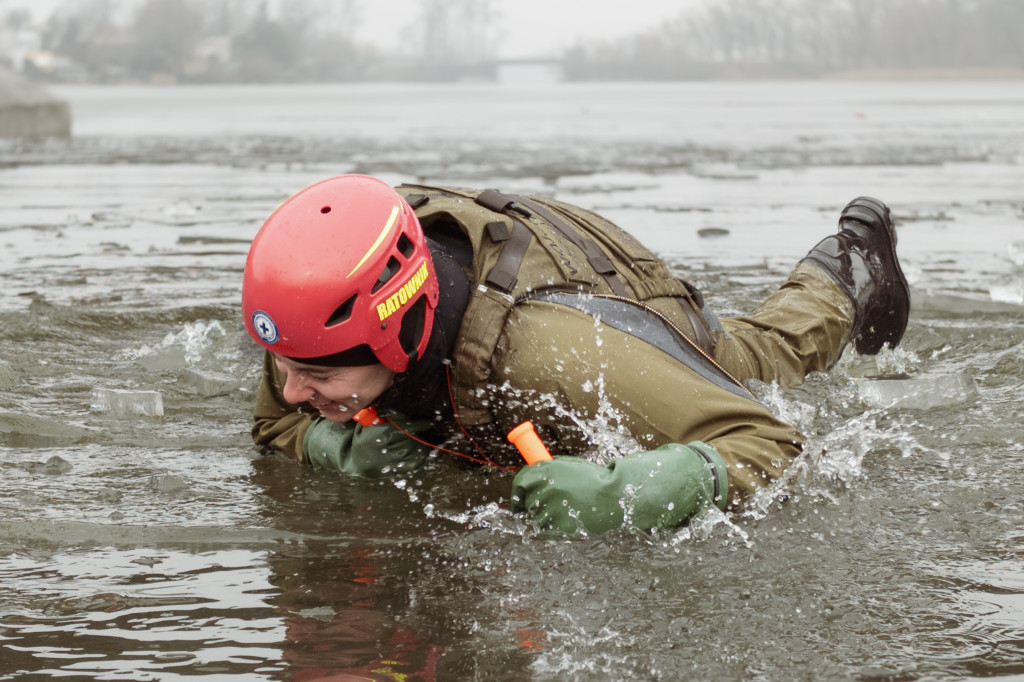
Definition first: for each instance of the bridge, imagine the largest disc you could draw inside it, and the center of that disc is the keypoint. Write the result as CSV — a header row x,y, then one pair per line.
x,y
527,69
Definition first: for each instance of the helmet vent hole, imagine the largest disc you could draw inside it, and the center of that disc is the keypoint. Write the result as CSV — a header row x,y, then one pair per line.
x,y
343,312
325,209
405,246
389,271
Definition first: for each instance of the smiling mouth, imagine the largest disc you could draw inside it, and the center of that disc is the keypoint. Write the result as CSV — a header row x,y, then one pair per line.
x,y
331,406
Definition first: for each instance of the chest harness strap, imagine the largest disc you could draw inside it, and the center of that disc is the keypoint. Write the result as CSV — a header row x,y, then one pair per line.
x,y
503,274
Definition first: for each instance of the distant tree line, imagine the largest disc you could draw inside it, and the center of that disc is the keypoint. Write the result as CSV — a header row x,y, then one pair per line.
x,y
807,38
244,41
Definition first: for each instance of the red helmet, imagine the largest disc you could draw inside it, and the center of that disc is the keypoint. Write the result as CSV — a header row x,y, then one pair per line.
x,y
340,274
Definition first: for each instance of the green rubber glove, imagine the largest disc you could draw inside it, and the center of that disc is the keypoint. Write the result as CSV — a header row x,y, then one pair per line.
x,y
660,488
367,451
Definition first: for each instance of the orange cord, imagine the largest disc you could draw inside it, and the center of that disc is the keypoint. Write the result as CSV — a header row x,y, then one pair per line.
x,y
487,461
483,459
455,412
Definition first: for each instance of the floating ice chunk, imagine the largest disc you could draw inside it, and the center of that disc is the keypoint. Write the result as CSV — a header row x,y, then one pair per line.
x,y
8,377
168,483
722,171
922,393
163,360
1011,293
54,466
324,613
125,403
209,384
1016,251
962,304
180,209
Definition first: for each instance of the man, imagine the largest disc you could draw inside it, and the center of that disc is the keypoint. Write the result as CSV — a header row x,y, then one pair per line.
x,y
457,314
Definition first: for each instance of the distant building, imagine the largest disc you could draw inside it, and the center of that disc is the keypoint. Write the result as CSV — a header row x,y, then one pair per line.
x,y
28,110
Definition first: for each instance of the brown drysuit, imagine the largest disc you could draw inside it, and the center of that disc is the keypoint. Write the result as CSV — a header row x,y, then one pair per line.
x,y
569,361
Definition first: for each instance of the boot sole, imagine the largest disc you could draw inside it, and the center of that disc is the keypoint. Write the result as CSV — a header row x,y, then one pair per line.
x,y
870,344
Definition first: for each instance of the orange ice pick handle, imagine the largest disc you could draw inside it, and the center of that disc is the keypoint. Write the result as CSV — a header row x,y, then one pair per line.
x,y
526,440
367,417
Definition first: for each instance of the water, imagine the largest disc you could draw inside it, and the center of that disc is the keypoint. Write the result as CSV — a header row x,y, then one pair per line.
x,y
146,544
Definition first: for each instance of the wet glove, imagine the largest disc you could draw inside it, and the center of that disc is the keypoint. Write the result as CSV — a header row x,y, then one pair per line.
x,y
659,488
367,451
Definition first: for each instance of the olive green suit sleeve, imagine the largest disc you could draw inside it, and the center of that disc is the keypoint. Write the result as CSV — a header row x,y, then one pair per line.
x,y
368,452
279,425
553,357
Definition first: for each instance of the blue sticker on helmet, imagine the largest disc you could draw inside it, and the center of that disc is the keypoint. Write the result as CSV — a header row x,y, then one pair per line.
x,y
265,327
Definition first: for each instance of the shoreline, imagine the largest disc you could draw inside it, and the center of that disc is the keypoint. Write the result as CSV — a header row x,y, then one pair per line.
x,y
951,74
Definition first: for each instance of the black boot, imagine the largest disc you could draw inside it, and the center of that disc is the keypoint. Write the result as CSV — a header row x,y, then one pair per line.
x,y
862,259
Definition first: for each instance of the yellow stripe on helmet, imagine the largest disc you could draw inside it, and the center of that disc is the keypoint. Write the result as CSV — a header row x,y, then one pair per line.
x,y
380,239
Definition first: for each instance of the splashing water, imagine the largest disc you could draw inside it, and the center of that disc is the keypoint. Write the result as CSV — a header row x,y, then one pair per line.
x,y
896,361
703,527
196,338
605,432
562,654
197,341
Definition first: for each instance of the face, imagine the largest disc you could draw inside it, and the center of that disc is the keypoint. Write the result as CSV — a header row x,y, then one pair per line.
x,y
337,392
